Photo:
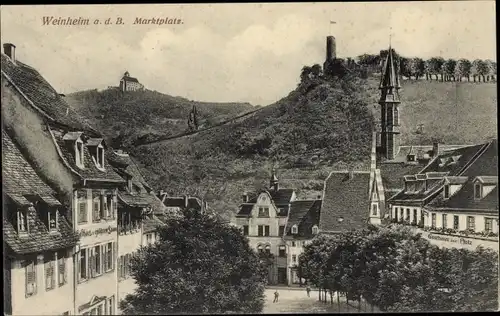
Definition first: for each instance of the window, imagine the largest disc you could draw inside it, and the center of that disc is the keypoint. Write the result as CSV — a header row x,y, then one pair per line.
x,y
282,251
445,220
446,191
456,222
82,208
149,238
22,220
263,212
315,230
268,249
415,215
52,219
471,223
79,154
30,273
281,230
100,156
293,243
96,209
375,209
407,217
396,116
488,224
294,258
107,204
478,194
433,223
294,229
61,268
260,231
108,255
97,260
245,230
401,214
49,267
266,230
83,273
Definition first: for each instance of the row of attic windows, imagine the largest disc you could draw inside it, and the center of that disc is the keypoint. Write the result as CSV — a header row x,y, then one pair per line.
x,y
48,214
94,145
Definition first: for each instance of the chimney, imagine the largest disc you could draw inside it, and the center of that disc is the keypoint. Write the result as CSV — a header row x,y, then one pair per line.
x,y
435,149
331,52
10,50
245,197
186,200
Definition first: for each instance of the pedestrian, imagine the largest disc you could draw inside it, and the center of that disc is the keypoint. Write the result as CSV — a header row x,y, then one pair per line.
x,y
276,296
308,289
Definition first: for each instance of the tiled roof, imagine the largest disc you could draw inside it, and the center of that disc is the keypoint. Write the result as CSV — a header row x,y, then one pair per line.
x,y
446,163
134,200
245,209
488,179
282,196
393,173
347,199
19,177
458,162
193,202
456,180
90,172
305,214
464,199
20,185
42,94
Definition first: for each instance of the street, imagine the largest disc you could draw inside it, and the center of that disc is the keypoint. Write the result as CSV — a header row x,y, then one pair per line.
x,y
296,300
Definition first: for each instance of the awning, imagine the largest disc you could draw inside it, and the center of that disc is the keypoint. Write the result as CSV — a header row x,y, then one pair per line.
x,y
19,199
259,247
50,200
268,247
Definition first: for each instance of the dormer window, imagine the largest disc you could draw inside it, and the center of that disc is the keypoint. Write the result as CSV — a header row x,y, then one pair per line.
x,y
96,148
52,218
315,230
79,154
478,191
295,229
21,221
446,191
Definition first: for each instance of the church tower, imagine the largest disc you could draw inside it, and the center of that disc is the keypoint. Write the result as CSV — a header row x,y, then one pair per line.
x,y
273,182
389,103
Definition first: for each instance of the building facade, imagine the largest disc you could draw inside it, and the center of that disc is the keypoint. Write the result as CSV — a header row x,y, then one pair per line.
x,y
39,241
262,218
128,83
453,201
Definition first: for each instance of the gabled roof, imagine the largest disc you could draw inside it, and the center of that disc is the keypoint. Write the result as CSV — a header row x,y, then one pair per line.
x,y
305,214
282,196
455,180
487,179
345,198
94,141
28,82
72,136
464,200
21,185
151,223
90,172
454,167
180,202
245,209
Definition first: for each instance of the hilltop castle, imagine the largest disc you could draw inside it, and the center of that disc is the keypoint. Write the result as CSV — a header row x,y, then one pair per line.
x,y
128,83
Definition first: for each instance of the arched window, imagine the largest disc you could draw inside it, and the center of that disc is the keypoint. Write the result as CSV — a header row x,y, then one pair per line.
x,y
315,230
268,249
260,248
295,229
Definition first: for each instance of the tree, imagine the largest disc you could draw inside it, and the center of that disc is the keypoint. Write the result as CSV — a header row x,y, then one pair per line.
x,y
475,69
449,69
316,71
483,69
463,69
416,67
305,73
492,65
199,265
434,66
404,67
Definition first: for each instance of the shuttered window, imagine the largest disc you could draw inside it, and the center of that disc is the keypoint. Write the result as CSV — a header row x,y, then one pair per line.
x,y
30,273
49,265
82,210
61,268
83,275
97,260
96,203
266,230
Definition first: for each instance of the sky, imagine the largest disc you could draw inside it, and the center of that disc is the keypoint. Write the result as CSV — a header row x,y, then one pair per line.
x,y
236,52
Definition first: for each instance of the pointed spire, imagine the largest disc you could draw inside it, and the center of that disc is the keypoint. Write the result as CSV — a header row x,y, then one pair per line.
x,y
390,77
273,183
